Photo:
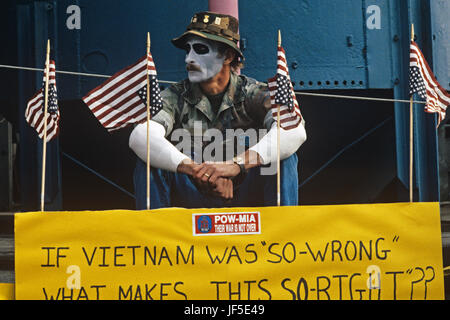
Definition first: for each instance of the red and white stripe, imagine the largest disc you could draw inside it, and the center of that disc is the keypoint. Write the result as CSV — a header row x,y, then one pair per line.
x,y
34,113
288,119
115,103
437,97
151,65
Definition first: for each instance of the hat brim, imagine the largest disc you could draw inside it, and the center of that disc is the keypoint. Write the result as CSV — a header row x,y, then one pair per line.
x,y
179,42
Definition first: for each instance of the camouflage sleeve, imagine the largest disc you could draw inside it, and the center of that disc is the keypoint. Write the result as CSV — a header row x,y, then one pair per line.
x,y
257,104
167,116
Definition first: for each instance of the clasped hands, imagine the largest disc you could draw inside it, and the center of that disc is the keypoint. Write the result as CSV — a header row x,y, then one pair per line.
x,y
214,178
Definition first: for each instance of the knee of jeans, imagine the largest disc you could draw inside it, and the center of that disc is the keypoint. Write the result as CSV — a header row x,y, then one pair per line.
x,y
140,175
293,159
290,163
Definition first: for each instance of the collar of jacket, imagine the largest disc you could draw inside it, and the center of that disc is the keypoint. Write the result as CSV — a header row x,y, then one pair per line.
x,y
195,97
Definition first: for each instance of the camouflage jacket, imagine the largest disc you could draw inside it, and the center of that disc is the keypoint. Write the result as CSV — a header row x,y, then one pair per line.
x,y
245,105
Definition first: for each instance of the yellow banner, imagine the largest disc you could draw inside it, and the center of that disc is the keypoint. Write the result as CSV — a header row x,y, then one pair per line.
x,y
370,252
6,291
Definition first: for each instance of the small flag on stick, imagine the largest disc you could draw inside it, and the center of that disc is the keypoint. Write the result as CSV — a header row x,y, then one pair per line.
x,y
411,136
151,100
285,108
42,113
282,95
423,82
34,113
122,100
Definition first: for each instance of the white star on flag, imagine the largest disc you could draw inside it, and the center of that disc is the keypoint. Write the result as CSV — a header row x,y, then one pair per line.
x,y
34,113
282,94
423,82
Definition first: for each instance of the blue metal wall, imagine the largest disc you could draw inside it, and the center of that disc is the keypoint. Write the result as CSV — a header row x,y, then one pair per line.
x,y
328,42
113,35
329,47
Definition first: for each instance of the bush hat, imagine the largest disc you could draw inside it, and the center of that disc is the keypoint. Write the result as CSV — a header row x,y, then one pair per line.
x,y
213,26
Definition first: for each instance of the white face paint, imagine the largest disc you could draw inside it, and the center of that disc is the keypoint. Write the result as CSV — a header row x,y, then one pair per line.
x,y
202,59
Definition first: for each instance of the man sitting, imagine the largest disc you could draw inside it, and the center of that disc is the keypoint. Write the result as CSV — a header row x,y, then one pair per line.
x,y
213,102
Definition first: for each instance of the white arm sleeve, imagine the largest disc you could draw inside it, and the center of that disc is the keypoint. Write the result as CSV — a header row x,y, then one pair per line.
x,y
163,154
290,141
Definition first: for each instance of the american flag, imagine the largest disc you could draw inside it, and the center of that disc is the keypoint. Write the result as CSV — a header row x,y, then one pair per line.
x,y
423,82
34,113
122,100
282,94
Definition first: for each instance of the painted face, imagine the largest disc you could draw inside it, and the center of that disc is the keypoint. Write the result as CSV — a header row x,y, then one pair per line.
x,y
202,59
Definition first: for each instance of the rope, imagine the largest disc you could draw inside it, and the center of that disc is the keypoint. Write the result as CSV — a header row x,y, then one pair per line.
x,y
172,82
97,174
337,155
69,72
354,97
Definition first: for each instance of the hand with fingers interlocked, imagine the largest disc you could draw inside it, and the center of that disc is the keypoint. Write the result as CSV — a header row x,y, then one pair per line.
x,y
216,177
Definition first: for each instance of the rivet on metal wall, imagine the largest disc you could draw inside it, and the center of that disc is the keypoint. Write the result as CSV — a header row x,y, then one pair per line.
x,y
243,44
294,65
396,38
350,41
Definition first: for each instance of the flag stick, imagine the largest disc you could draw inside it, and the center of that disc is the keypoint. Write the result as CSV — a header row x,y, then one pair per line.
x,y
411,141
148,125
44,139
278,140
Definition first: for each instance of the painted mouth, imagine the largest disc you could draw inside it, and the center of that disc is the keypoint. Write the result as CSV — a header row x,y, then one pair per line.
x,y
193,67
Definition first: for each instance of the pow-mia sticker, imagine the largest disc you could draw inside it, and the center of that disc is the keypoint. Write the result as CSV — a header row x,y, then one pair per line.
x,y
209,224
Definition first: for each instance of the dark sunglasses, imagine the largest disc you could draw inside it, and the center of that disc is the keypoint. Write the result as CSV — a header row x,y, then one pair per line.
x,y
198,48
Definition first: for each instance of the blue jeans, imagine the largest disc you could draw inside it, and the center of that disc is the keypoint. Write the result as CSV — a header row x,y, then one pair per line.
x,y
169,189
